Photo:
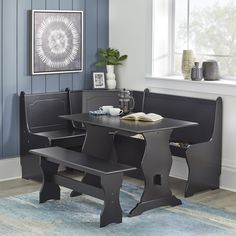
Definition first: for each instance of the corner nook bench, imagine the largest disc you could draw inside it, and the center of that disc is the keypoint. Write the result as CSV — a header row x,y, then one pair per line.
x,y
109,173
41,127
200,145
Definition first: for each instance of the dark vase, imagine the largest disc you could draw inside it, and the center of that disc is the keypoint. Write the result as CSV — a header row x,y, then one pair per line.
x,y
210,70
196,72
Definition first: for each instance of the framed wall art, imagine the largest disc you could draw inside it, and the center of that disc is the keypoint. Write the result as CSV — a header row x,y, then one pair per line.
x,y
57,41
99,80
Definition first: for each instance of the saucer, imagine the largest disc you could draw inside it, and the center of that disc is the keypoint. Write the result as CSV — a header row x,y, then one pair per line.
x,y
97,112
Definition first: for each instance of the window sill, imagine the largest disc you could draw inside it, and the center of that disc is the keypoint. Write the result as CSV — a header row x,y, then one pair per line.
x,y
219,87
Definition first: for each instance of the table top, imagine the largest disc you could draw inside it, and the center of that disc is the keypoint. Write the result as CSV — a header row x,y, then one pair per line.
x,y
114,122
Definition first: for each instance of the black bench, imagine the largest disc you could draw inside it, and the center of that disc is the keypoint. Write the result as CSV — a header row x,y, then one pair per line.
x,y
108,189
200,145
40,127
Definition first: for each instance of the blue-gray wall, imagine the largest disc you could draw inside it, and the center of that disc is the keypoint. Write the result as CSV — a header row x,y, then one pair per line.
x,y
15,58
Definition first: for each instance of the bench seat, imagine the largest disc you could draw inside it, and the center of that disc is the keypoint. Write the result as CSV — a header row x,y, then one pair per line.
x,y
81,161
64,137
179,149
61,134
106,187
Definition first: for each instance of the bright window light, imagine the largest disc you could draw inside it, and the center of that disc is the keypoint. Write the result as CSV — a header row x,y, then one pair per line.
x,y
207,27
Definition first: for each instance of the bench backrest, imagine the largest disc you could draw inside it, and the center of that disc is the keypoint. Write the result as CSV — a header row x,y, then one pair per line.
x,y
41,111
91,100
198,110
83,101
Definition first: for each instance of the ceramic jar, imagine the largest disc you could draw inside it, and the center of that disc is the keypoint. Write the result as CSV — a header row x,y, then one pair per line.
x,y
111,77
187,63
196,72
210,70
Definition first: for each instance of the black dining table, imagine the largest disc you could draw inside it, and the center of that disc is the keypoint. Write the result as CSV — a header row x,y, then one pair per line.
x,y
156,158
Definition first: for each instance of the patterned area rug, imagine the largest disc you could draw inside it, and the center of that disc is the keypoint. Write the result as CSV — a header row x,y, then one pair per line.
x,y
22,215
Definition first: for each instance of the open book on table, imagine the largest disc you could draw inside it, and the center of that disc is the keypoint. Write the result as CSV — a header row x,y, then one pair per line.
x,y
141,116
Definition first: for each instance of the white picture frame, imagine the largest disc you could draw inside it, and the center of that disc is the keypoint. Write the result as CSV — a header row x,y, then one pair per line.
x,y
99,80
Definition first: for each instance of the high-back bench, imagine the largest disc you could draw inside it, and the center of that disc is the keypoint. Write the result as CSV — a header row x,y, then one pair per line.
x,y
90,100
40,127
200,145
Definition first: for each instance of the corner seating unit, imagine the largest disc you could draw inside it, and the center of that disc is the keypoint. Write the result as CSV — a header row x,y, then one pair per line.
x,y
41,127
200,145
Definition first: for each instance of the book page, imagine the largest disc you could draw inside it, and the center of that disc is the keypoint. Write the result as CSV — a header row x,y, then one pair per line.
x,y
134,116
150,117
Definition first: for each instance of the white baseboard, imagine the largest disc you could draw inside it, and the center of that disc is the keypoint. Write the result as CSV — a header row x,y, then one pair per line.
x,y
228,173
10,169
228,176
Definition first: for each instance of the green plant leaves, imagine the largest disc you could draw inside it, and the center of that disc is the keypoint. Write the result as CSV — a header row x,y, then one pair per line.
x,y
122,58
100,63
110,56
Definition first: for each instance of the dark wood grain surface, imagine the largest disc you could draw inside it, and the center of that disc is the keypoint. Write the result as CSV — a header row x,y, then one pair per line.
x,y
128,126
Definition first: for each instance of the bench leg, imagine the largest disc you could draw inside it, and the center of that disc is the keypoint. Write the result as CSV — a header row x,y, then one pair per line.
x,y
112,212
204,164
88,179
49,189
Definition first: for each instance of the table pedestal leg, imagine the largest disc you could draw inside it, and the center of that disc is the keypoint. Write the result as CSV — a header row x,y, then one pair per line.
x,y
156,165
98,143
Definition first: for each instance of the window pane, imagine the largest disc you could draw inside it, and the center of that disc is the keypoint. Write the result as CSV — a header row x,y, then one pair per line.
x,y
181,33
177,63
181,16
160,37
208,27
213,26
213,31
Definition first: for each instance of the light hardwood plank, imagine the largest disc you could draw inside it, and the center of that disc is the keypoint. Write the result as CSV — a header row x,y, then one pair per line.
x,y
221,199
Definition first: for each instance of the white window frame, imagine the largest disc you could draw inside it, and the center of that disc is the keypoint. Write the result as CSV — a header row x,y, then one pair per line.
x,y
171,49
177,83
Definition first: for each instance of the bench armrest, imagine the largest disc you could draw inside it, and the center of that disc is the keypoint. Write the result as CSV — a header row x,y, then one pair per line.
x,y
37,141
207,152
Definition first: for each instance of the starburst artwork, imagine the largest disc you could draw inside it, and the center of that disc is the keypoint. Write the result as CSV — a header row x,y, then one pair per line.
x,y
57,41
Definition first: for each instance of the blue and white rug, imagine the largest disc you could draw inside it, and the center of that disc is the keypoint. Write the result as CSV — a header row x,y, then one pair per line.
x,y
23,216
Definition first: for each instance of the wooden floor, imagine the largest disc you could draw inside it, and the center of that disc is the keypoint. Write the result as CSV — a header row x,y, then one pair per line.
x,y
218,198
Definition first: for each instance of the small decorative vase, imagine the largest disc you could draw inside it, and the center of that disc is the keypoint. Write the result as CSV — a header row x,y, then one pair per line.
x,y
196,72
210,70
111,77
187,63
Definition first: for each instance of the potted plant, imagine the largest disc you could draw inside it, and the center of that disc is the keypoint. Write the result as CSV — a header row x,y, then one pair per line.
x,y
109,58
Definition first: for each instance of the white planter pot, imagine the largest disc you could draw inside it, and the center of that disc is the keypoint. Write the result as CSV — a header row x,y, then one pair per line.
x,y
110,69
111,83
111,77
